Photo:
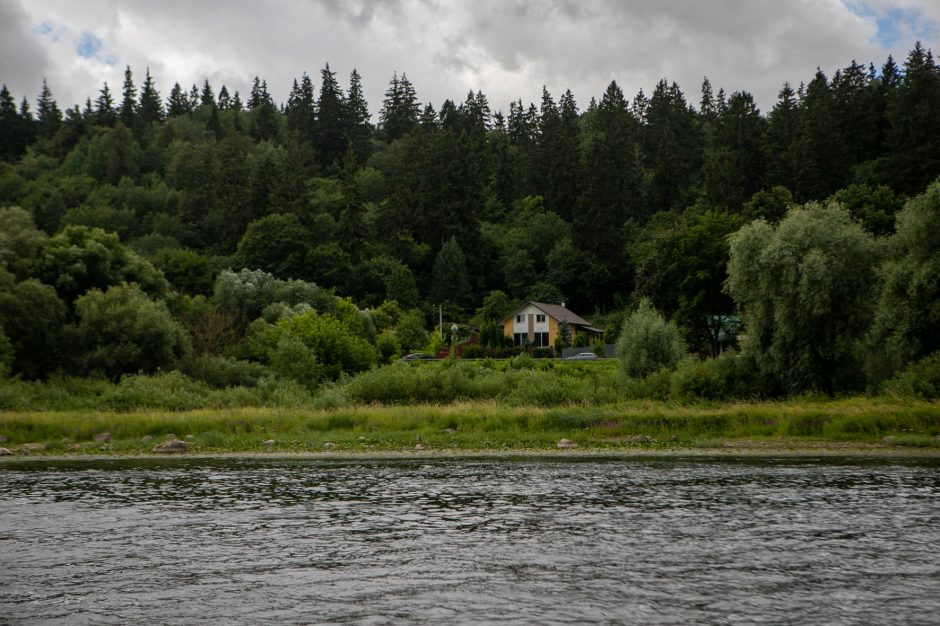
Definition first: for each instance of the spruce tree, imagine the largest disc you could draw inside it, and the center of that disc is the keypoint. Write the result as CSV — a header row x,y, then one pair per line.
x,y
358,126
225,100
400,109
330,136
151,107
105,112
49,117
206,97
128,111
178,102
913,137
12,145
301,115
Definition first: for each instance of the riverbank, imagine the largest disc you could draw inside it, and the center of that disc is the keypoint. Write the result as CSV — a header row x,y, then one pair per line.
x,y
858,425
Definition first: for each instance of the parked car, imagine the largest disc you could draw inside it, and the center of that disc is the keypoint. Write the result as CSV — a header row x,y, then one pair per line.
x,y
418,356
582,356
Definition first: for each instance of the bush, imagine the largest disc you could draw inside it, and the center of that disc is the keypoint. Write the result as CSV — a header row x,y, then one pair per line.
x,y
123,331
648,342
388,345
543,353
729,377
474,351
919,380
221,372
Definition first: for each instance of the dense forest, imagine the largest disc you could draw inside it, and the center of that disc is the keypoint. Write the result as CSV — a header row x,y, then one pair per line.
x,y
231,236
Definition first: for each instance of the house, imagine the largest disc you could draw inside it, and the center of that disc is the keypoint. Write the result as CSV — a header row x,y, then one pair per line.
x,y
537,324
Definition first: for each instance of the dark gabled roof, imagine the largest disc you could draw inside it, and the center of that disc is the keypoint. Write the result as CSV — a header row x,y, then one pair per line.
x,y
556,311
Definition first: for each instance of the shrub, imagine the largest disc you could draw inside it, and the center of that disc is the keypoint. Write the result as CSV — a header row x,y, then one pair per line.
x,y
388,345
123,331
648,342
733,376
474,351
221,372
543,353
920,379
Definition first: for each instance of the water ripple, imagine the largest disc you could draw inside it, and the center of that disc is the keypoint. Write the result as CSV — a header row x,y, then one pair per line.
x,y
654,541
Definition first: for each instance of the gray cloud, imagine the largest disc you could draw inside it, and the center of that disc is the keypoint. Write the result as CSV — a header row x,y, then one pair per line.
x,y
506,48
23,61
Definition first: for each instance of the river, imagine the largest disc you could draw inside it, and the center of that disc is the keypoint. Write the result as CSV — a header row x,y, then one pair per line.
x,y
658,541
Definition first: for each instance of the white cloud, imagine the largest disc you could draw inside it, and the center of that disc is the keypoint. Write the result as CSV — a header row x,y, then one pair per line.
x,y
508,49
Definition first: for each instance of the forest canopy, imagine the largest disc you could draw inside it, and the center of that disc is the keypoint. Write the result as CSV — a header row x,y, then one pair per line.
x,y
244,229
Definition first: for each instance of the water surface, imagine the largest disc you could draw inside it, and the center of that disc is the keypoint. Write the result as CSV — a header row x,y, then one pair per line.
x,y
470,541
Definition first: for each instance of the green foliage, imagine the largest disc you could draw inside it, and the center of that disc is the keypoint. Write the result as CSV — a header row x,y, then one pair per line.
x,y
717,379
221,372
248,292
648,342
6,354
19,237
32,316
278,244
450,282
78,259
388,346
292,359
496,307
187,270
122,331
335,346
907,315
918,380
410,331
805,289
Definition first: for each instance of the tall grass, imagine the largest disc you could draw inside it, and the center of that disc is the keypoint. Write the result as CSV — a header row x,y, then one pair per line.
x,y
481,425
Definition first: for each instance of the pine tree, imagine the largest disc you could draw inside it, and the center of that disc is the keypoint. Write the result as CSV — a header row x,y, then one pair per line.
x,y
610,183
400,109
128,111
105,113
824,142
12,144
787,156
151,107
206,97
358,126
225,100
301,115
49,115
913,137
178,102
672,146
330,136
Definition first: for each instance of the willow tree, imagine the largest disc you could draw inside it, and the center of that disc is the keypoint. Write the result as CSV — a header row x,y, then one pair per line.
x,y
804,289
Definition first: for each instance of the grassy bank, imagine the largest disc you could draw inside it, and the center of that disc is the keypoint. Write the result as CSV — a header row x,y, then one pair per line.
x,y
481,425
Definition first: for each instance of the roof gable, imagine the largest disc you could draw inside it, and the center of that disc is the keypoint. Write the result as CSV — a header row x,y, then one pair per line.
x,y
556,311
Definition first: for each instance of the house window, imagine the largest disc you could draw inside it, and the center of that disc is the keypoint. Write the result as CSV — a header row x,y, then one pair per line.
x,y
540,318
540,340
519,339
520,319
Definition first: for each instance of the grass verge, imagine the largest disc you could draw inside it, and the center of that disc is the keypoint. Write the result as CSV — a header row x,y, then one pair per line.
x,y
481,426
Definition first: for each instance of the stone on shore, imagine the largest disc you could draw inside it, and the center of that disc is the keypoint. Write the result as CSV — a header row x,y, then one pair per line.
x,y
566,443
174,446
5,452
103,437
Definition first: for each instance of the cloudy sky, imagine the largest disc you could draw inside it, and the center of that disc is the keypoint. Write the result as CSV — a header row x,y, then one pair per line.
x,y
507,48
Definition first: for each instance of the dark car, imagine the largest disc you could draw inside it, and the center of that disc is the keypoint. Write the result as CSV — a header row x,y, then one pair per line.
x,y
418,356
582,356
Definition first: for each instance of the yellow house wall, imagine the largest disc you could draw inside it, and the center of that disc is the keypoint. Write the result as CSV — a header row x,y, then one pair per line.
x,y
507,327
552,330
